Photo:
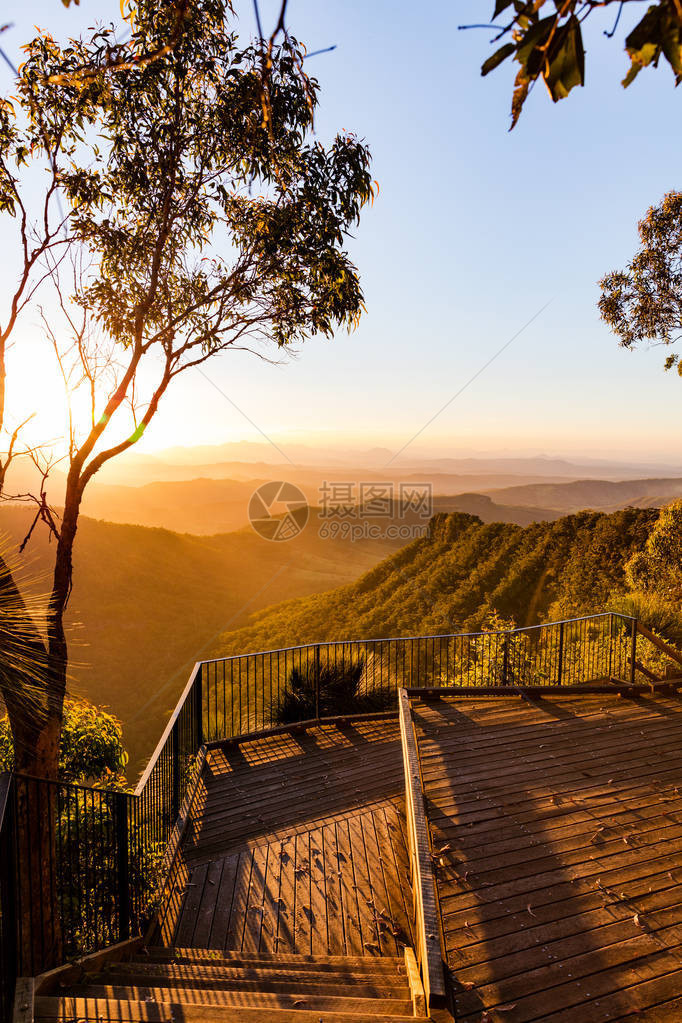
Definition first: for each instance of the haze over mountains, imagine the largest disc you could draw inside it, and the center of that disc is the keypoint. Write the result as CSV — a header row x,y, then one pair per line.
x,y
206,490
166,558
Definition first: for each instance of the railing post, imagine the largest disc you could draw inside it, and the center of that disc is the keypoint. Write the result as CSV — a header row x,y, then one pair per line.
x,y
199,706
175,774
560,665
317,681
505,660
633,650
122,856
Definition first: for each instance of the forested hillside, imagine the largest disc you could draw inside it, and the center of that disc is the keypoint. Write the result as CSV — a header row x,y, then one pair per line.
x,y
459,576
147,603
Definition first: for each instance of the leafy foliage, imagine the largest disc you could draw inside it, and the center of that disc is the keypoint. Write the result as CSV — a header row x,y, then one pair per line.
x,y
644,302
550,46
464,576
658,567
341,692
91,748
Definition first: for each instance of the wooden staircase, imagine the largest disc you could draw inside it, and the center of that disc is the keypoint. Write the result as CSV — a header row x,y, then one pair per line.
x,y
202,986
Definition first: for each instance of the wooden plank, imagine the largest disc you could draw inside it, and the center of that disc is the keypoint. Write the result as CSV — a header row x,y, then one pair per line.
x,y
371,924
286,927
318,899
302,911
311,724
253,919
223,906
271,895
190,907
383,882
354,938
207,906
391,824
336,936
235,931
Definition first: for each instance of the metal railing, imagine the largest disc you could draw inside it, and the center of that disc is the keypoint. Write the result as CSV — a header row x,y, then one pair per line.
x,y
250,692
99,852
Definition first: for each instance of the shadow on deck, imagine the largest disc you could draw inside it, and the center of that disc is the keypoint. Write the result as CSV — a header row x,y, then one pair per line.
x,y
557,827
295,844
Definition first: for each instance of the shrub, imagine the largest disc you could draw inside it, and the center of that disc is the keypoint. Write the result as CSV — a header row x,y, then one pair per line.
x,y
91,749
340,693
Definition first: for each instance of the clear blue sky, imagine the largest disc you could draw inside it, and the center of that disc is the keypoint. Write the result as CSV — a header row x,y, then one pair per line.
x,y
474,230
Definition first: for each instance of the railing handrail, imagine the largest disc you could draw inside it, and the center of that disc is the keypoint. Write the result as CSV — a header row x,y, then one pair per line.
x,y
408,639
662,644
426,914
168,729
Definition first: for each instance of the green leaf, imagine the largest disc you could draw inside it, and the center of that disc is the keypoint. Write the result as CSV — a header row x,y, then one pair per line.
x,y
492,62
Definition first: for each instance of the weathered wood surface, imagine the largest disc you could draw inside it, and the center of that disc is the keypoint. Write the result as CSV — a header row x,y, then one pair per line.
x,y
424,899
557,829
296,844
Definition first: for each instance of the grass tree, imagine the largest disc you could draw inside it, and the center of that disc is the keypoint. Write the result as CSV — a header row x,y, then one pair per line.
x,y
196,225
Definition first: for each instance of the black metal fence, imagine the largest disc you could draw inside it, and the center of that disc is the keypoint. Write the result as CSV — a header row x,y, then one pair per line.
x,y
80,868
250,692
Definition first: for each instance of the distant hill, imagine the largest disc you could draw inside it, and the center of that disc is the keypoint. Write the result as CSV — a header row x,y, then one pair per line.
x,y
487,510
601,495
147,603
452,579
208,506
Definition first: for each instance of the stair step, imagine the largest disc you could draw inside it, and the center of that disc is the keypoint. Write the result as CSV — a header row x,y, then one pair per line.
x,y
249,978
372,964
51,1011
118,1006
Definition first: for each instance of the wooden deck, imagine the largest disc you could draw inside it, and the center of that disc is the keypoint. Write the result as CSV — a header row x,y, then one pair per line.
x,y
296,845
557,834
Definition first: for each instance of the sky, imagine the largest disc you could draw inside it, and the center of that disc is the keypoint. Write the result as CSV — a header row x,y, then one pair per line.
x,y
476,231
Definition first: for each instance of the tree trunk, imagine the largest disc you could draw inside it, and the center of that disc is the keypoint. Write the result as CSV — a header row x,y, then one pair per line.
x,y
39,869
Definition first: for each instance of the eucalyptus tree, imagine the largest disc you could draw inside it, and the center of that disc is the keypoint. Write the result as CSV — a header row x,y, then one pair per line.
x,y
197,225
643,302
